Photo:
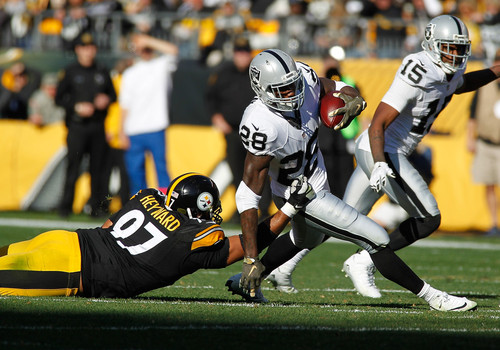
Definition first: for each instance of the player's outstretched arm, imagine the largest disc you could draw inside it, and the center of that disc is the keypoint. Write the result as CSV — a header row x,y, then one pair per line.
x,y
475,80
301,193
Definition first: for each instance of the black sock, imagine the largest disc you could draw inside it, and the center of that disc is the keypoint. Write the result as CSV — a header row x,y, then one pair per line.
x,y
279,252
395,269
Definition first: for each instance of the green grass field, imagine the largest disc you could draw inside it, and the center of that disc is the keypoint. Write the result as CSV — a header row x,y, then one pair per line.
x,y
198,313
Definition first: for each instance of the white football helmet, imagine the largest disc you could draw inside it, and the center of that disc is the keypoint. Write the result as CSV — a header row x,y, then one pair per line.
x,y
273,72
440,33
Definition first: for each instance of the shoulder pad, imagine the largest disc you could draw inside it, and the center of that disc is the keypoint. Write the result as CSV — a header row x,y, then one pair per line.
x,y
259,130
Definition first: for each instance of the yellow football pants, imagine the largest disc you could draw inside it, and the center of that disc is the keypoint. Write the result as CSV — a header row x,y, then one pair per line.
x,y
47,265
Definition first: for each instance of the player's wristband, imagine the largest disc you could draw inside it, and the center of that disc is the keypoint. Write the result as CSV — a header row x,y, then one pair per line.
x,y
289,210
249,261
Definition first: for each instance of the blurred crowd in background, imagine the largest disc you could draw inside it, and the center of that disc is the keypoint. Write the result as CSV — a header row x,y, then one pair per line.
x,y
204,29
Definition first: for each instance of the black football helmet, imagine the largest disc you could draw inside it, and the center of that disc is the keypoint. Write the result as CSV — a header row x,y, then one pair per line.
x,y
195,195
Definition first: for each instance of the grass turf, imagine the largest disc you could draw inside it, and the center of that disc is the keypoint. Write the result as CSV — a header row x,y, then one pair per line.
x,y
198,312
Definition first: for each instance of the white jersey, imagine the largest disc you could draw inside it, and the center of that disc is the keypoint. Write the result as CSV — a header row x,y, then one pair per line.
x,y
419,92
265,131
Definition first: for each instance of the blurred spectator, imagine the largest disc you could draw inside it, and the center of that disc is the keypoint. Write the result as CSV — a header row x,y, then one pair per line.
x,y
42,106
296,27
116,169
417,13
141,14
227,23
145,102
490,27
386,29
85,92
18,84
51,25
19,22
228,94
483,140
100,14
75,22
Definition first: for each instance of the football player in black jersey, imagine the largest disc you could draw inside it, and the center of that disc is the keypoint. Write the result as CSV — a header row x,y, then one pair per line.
x,y
153,241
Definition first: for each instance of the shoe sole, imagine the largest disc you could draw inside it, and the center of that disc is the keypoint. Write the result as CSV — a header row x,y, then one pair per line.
x,y
462,308
244,296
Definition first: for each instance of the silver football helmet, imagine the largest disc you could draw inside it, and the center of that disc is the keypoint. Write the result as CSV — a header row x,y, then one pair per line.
x,y
273,73
440,33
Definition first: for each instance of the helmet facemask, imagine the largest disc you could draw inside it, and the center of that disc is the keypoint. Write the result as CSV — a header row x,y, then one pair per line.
x,y
276,93
276,80
447,34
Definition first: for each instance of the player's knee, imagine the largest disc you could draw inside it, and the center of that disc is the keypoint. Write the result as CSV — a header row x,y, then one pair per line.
x,y
429,225
309,241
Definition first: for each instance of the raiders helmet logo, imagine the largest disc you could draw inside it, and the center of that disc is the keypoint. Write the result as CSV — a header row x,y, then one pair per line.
x,y
255,75
428,31
205,201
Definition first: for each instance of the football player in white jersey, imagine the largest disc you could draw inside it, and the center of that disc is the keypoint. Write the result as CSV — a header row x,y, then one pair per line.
x,y
279,130
424,84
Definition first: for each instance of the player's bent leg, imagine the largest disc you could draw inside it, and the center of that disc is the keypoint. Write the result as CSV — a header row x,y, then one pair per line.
x,y
413,229
336,219
412,193
281,277
47,265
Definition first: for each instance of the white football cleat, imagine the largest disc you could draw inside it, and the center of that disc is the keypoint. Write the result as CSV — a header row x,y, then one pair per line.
x,y
233,285
282,281
444,302
360,269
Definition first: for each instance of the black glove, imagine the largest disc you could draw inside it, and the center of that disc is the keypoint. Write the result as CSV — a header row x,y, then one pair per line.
x,y
301,193
251,275
353,107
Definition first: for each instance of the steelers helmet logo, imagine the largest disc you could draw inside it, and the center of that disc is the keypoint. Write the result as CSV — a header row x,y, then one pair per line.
x,y
205,201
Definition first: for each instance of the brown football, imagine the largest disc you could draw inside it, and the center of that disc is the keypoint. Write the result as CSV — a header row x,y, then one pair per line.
x,y
328,104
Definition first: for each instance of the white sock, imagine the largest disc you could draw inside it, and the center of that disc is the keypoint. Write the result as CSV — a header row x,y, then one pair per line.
x,y
365,256
290,265
427,292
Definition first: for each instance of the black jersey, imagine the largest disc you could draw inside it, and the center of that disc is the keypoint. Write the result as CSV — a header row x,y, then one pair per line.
x,y
147,247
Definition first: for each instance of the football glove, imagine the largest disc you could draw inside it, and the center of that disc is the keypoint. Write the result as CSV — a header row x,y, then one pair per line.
x,y
353,107
378,178
251,275
301,193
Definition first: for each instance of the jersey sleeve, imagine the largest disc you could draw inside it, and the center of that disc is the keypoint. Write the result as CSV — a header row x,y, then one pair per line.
x,y
259,131
208,237
401,92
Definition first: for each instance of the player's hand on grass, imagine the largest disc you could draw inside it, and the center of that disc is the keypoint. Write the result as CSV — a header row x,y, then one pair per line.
x,y
251,275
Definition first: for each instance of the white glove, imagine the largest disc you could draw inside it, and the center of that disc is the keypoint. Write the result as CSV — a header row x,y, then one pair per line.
x,y
301,193
378,178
